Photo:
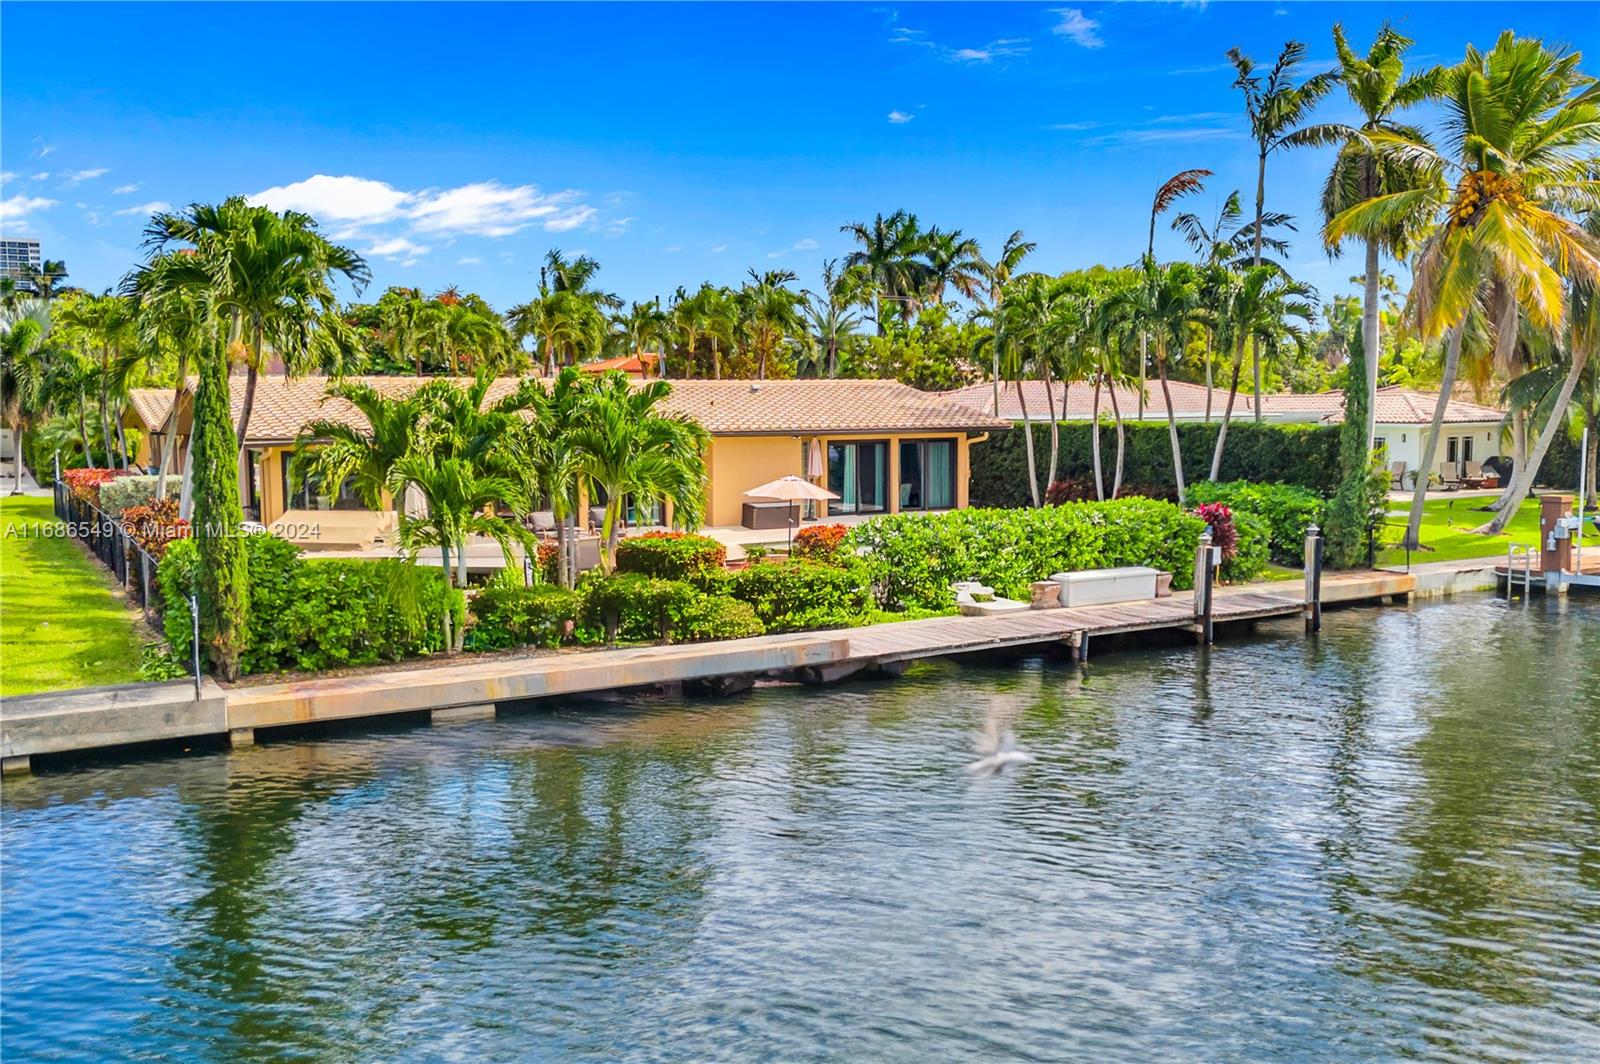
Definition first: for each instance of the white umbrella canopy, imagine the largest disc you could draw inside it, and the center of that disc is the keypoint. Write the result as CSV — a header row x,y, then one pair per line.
x,y
791,489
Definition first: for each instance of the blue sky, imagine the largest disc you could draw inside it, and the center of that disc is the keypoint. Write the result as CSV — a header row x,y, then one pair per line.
x,y
455,143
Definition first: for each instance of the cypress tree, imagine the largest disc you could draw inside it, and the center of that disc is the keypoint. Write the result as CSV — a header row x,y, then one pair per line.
x,y
1357,507
224,585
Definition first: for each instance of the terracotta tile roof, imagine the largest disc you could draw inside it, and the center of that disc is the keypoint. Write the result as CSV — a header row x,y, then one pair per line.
x,y
1396,406
798,407
1188,400
643,362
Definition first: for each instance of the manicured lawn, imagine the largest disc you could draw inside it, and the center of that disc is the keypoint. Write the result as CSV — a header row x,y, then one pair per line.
x,y
1447,526
60,624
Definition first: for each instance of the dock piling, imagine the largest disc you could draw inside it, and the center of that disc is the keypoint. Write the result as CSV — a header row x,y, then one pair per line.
x,y
1313,579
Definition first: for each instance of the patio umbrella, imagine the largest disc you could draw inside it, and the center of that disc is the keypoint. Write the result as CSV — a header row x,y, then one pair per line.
x,y
790,489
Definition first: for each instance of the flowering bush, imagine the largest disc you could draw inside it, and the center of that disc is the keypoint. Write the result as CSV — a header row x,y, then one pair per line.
x,y
1219,518
819,543
155,525
84,484
670,555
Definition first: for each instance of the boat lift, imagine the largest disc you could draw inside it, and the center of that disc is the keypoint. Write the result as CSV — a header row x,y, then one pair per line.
x,y
1561,559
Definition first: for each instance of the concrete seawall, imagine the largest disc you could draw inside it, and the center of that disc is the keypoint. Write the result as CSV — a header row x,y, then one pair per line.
x,y
94,717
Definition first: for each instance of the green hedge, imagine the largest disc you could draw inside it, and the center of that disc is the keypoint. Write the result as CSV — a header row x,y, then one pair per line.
x,y
505,616
1287,509
799,595
913,559
1253,550
670,555
319,614
634,608
1306,455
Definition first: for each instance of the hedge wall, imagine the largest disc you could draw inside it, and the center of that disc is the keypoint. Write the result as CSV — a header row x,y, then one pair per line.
x,y
1307,455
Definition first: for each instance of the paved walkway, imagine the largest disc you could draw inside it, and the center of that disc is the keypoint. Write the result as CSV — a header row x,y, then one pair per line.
x,y
8,480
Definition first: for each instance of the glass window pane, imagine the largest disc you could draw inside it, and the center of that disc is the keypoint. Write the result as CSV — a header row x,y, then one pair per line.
x,y
911,476
941,475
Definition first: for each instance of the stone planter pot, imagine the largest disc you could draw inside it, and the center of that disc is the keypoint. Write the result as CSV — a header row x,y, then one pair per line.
x,y
1163,585
1046,595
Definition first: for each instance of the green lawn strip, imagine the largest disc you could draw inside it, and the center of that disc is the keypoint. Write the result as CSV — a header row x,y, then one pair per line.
x,y
1447,534
61,626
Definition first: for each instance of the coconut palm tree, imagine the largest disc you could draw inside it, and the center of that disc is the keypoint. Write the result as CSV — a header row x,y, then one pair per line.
x,y
998,272
769,314
1275,107
1253,310
953,261
24,372
1379,88
268,275
686,325
627,447
643,327
830,314
1522,126
560,274
1171,190
889,258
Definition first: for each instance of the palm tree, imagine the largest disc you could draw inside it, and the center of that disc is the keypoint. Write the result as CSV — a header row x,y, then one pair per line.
x,y
1523,123
888,258
627,447
24,372
576,276
171,317
644,326
953,261
721,308
1172,189
544,456
107,323
830,315
1253,308
266,274
687,324
999,272
340,452
1276,107
1378,86
1032,314
1226,244
403,323
770,315
566,325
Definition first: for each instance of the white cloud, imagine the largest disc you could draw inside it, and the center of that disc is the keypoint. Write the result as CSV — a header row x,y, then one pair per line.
x,y
7,176
1198,116
86,175
899,118
336,199
1074,127
125,190
488,208
719,249
43,149
395,247
804,244
153,207
1077,27
42,175
470,260
671,249
17,208
1136,137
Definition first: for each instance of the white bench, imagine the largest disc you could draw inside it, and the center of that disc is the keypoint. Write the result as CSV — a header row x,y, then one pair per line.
x,y
975,600
1132,583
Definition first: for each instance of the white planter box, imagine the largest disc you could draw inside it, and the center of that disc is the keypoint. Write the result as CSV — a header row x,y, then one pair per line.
x,y
1090,587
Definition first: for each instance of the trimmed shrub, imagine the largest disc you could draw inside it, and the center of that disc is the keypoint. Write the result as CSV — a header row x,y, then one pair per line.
x,y
1287,509
84,484
635,608
541,616
797,595
913,559
818,543
1251,551
718,617
119,494
155,525
670,555
310,614
1306,455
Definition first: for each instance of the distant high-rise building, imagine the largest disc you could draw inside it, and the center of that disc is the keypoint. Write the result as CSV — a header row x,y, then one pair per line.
x,y
19,260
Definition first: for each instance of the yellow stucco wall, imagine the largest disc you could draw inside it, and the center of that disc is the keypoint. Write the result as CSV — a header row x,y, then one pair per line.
x,y
738,463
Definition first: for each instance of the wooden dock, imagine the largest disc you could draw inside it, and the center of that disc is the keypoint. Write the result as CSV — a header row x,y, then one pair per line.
x,y
463,689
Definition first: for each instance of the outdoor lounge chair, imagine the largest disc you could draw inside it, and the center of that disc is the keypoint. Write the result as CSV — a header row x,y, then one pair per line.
x,y
1397,475
1472,474
1449,479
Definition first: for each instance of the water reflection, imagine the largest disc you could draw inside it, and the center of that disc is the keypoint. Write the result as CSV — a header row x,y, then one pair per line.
x,y
1267,849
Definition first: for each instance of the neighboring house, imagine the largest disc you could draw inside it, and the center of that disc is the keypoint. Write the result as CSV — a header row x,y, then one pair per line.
x,y
882,446
1471,431
641,366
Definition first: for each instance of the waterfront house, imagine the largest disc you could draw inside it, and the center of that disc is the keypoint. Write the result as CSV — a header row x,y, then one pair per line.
x,y
880,445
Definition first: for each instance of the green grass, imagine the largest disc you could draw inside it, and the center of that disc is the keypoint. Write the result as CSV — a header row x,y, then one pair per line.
x,y
61,626
1447,526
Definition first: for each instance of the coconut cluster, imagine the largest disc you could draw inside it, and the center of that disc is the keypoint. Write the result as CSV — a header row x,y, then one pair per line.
x,y
1479,189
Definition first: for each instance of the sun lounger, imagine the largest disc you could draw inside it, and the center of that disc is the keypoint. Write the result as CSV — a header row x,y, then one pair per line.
x,y
1397,475
1472,474
1449,479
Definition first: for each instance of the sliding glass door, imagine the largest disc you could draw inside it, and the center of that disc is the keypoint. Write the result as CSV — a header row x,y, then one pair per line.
x,y
859,474
927,474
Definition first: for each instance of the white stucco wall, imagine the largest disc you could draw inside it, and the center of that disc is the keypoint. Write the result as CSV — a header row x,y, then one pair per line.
x,y
1405,442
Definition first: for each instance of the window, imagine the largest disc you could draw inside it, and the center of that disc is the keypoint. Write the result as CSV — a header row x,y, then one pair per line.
x,y
1452,446
927,474
309,496
1379,442
859,474
1466,448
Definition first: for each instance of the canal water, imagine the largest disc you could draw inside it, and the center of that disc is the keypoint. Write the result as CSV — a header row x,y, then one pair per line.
x,y
1381,843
